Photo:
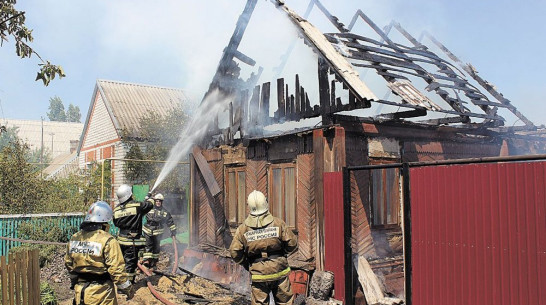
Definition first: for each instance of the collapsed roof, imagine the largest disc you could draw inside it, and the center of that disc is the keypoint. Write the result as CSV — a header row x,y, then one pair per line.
x,y
467,100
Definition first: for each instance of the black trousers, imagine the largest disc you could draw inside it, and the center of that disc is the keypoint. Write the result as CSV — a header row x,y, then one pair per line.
x,y
130,255
151,253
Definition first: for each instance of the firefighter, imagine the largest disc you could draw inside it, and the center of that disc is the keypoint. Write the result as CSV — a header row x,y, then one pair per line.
x,y
261,244
94,260
128,215
153,230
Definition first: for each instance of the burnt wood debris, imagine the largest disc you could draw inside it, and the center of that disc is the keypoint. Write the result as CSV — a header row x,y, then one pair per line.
x,y
339,54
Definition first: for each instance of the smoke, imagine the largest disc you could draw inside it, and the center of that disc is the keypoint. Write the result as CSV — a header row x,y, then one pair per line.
x,y
201,121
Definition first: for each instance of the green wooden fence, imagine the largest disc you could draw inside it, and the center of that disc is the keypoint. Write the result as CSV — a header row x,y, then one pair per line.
x,y
9,226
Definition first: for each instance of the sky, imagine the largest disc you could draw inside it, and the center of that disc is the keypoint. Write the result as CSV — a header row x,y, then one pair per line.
x,y
178,43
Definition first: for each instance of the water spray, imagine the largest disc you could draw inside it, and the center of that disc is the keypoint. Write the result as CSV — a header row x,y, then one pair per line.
x,y
201,121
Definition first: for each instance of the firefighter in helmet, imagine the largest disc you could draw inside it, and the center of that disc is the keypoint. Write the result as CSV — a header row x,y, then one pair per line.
x,y
128,215
94,260
262,242
153,230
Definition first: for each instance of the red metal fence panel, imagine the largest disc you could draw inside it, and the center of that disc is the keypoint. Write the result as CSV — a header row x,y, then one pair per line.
x,y
334,255
479,234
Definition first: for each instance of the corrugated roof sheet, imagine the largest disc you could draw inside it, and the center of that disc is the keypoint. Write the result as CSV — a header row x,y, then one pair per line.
x,y
129,102
62,166
56,135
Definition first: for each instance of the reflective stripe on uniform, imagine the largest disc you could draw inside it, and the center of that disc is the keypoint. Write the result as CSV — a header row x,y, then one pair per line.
x,y
172,228
147,255
274,276
152,232
129,241
125,212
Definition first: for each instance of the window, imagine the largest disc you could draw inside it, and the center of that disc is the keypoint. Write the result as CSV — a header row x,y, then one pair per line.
x,y
282,192
385,196
236,196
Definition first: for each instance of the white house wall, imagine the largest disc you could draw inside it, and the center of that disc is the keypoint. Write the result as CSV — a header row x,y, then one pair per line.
x,y
101,141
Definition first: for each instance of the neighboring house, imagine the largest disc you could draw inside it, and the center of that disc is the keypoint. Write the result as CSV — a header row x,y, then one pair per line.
x,y
57,138
114,116
62,166
294,168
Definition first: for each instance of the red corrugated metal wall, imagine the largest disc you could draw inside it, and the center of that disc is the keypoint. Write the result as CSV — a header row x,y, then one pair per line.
x,y
334,256
479,234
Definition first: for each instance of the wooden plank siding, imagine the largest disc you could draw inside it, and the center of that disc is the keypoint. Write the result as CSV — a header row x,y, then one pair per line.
x,y
256,175
212,224
361,238
306,205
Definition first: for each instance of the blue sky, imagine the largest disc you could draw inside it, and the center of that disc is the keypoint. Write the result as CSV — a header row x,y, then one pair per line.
x,y
178,43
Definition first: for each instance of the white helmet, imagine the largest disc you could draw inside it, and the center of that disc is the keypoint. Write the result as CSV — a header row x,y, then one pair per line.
x,y
257,203
124,192
99,212
159,197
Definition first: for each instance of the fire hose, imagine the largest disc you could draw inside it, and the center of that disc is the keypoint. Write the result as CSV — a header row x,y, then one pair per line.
x,y
151,287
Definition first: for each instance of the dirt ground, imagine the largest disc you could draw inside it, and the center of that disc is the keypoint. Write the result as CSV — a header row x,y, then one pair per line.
x,y
178,289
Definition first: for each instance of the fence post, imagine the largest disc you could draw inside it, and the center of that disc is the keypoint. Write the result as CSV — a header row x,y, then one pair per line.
x,y
24,277
37,276
11,278
4,280
18,269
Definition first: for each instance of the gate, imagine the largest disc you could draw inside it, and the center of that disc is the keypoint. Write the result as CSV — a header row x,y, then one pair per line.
x,y
474,230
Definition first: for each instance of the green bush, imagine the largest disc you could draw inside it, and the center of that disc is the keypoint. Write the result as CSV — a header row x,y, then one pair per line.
x,y
47,294
47,230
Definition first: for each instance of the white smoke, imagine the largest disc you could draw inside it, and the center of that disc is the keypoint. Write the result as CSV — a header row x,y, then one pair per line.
x,y
201,121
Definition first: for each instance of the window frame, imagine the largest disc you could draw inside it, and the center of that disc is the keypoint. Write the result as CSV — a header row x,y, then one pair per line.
x,y
241,210
271,197
395,210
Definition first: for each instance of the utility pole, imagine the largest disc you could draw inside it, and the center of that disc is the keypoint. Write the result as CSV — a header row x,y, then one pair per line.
x,y
52,134
42,146
42,151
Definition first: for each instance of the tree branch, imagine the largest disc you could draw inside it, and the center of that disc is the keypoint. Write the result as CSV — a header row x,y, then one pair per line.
x,y
14,16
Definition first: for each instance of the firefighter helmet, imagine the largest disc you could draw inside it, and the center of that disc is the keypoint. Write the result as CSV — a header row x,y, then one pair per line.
x,y
159,197
124,192
99,212
257,203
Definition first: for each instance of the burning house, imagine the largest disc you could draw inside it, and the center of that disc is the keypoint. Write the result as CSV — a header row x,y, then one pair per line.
x,y
436,108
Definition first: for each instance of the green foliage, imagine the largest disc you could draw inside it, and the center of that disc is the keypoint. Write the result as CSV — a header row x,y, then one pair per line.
x,y
56,110
160,134
136,171
20,186
58,114
12,25
52,229
76,192
8,136
22,190
47,230
47,294
73,114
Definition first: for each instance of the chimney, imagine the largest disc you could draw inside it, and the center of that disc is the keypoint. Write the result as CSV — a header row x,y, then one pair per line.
x,y
74,145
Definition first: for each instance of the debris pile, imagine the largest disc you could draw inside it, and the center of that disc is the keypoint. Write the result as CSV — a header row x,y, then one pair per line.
x,y
186,289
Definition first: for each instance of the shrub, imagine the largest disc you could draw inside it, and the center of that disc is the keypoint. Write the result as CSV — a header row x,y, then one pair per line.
x,y
47,294
47,230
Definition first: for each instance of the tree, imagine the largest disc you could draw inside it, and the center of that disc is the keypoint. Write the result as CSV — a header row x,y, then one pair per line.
x,y
160,134
8,136
56,110
20,187
73,114
12,24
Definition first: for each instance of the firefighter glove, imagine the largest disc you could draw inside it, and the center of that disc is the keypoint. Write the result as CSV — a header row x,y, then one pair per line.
x,y
127,289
